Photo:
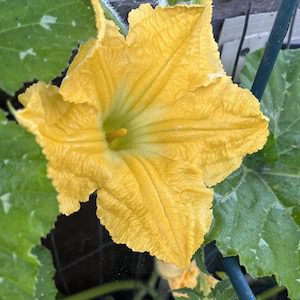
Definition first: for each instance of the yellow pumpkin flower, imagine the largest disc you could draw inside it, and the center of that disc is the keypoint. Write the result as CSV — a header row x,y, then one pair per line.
x,y
190,277
151,122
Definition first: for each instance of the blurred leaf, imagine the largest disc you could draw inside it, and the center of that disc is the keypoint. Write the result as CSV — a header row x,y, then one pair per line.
x,y
174,2
257,209
191,293
28,209
37,38
45,288
200,260
224,291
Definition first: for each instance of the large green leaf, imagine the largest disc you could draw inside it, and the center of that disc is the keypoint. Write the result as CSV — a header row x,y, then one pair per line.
x,y
224,291
28,209
45,287
174,2
37,38
257,209
192,294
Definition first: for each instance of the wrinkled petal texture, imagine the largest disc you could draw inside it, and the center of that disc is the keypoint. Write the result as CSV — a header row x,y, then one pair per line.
x,y
214,125
170,49
188,127
72,140
99,18
96,71
156,204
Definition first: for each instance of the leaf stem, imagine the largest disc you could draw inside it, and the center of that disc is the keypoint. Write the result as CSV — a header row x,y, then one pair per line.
x,y
149,289
174,2
106,289
270,293
11,109
113,15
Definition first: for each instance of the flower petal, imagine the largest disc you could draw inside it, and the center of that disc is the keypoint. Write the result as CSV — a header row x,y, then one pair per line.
x,y
72,140
43,103
100,18
156,205
216,125
96,70
170,49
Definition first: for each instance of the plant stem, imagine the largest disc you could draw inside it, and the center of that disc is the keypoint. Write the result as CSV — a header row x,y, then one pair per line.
x,y
174,2
153,279
106,289
270,293
113,15
11,109
149,289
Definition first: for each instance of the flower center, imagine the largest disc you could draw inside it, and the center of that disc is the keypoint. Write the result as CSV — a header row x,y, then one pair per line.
x,y
110,136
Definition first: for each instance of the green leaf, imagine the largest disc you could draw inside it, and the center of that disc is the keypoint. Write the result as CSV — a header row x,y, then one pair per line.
x,y
28,209
191,293
224,291
45,288
200,260
37,38
257,209
174,2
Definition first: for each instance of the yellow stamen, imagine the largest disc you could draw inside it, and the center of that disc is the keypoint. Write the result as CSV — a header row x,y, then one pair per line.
x,y
116,134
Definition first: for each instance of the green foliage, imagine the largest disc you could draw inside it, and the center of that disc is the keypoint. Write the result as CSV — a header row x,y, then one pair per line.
x,y
203,291
200,260
257,209
37,38
28,209
224,291
193,294
174,2
112,14
45,287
